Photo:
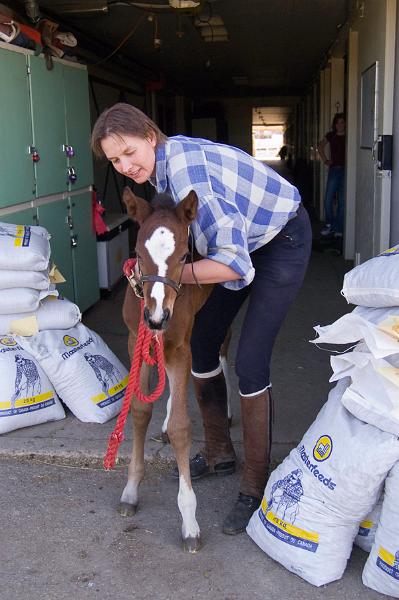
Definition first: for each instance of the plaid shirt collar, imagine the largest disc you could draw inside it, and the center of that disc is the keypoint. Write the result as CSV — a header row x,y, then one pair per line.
x,y
161,182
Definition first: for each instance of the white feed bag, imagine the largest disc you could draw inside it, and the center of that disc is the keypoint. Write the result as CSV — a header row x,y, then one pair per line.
x,y
375,282
381,571
381,339
37,280
315,500
53,313
24,248
368,527
373,395
85,373
27,396
22,300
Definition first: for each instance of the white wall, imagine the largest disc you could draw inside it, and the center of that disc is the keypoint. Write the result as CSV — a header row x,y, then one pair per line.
x,y
394,232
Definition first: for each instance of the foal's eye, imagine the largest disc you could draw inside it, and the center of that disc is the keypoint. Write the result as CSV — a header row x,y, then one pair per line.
x,y
183,258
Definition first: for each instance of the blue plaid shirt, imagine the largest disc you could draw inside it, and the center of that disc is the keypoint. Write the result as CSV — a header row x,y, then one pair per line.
x,y
243,203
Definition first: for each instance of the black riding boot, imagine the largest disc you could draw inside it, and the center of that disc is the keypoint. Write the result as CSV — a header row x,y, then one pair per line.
x,y
218,456
256,426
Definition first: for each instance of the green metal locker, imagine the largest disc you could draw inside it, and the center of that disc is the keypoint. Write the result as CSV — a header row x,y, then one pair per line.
x,y
21,217
84,252
48,118
54,217
77,110
17,179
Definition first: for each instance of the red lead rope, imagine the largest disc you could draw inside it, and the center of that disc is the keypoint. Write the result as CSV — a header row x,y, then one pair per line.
x,y
146,341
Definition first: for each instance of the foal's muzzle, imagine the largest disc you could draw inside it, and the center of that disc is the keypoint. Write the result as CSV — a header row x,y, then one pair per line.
x,y
157,325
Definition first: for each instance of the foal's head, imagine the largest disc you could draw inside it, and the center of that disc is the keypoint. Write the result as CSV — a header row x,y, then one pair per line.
x,y
161,250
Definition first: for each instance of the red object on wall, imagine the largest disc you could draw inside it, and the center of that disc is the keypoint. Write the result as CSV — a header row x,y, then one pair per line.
x,y
155,85
99,225
32,33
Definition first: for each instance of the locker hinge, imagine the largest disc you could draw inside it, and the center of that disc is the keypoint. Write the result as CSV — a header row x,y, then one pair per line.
x,y
28,69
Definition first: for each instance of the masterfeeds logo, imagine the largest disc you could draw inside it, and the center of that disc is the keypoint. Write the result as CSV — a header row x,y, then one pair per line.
x,y
8,341
70,341
323,448
314,468
76,345
390,251
10,345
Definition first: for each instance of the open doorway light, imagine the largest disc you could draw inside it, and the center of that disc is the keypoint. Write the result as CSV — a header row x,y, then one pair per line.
x,y
267,141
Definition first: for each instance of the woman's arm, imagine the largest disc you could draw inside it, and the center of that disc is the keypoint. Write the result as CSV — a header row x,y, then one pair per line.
x,y
208,271
320,147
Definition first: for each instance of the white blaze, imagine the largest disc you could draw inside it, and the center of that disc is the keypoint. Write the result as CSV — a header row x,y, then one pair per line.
x,y
160,246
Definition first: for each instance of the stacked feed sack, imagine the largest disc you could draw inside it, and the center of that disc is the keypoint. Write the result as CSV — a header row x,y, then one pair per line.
x,y
316,498
27,395
28,296
86,374
328,493
43,345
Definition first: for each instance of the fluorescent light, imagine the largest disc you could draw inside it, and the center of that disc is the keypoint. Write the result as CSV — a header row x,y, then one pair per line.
x,y
183,3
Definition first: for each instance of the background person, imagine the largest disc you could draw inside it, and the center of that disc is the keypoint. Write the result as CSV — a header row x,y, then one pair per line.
x,y
255,239
336,140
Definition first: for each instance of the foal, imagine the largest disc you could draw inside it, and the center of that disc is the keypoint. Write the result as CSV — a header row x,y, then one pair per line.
x,y
162,249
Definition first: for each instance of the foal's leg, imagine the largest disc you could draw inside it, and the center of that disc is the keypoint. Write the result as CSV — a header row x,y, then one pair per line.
x,y
179,431
141,413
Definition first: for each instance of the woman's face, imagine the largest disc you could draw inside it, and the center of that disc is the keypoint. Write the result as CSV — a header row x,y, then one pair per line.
x,y
131,156
340,126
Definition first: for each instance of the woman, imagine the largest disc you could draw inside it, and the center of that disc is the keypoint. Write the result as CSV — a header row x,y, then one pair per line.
x,y
255,239
335,139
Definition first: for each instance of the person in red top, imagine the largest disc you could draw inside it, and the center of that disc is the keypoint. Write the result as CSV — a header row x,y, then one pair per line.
x,y
336,140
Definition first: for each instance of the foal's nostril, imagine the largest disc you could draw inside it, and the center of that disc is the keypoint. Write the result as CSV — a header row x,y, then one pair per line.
x,y
146,315
166,317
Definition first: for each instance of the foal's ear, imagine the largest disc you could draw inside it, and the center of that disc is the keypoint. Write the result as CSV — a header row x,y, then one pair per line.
x,y
138,209
187,209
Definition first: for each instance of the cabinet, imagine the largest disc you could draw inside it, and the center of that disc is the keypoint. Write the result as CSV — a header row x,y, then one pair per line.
x,y
48,112
17,173
113,250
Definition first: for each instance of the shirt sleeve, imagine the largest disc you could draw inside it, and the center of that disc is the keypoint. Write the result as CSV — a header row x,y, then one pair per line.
x,y
224,240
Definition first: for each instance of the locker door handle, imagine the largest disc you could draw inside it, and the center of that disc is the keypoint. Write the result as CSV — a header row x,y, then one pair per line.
x,y
69,151
71,173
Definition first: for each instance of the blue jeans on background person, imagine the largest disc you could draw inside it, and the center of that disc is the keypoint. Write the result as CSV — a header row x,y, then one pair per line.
x,y
335,188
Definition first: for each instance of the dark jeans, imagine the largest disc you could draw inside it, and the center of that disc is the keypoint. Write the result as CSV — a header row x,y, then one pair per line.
x,y
280,267
335,189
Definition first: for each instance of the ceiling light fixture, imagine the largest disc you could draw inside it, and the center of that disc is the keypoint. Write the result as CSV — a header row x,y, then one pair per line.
x,y
183,4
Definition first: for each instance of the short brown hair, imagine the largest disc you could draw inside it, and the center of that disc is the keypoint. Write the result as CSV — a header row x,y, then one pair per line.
x,y
123,119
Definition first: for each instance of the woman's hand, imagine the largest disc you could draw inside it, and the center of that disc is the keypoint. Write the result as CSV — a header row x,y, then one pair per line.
x,y
208,271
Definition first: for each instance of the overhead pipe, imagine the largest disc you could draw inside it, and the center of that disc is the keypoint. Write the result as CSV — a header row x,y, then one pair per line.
x,y
95,6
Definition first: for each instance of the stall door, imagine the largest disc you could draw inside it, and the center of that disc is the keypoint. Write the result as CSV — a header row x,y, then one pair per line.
x,y
373,194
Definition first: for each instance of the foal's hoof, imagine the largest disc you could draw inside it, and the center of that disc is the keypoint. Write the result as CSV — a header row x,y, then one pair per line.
x,y
127,510
192,544
161,438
